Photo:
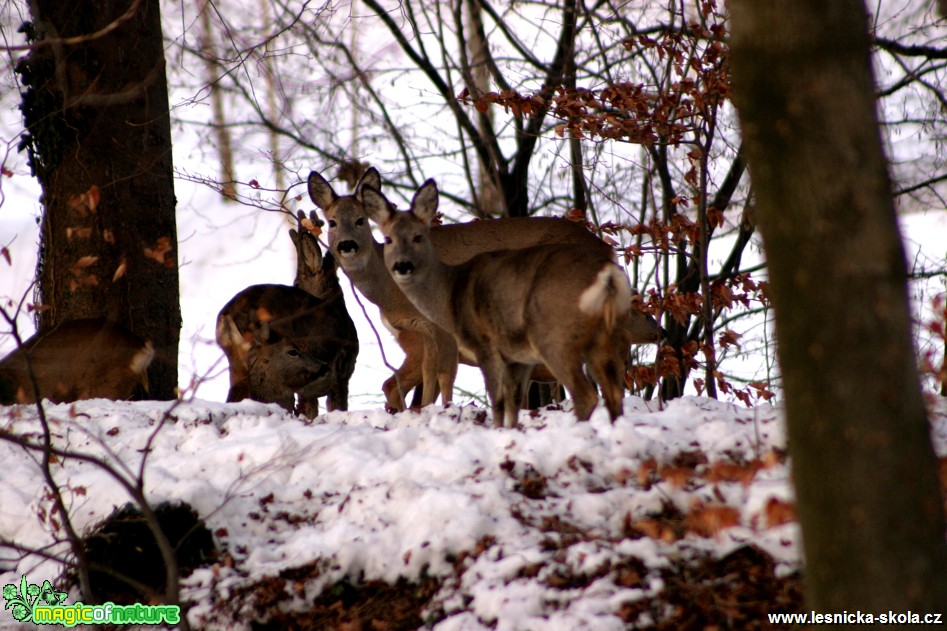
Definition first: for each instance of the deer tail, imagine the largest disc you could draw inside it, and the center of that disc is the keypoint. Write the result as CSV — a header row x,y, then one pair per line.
x,y
609,295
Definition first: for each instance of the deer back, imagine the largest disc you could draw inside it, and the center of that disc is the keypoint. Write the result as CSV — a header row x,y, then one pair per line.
x,y
456,243
79,359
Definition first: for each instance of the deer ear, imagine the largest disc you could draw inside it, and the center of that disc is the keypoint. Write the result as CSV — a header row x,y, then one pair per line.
x,y
370,179
376,205
320,191
424,204
294,232
308,252
263,334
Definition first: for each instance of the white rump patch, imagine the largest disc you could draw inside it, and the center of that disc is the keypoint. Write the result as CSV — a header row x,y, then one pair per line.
x,y
611,281
142,359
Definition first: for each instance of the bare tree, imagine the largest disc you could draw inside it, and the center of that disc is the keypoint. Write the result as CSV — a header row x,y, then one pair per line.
x,y
619,112
212,73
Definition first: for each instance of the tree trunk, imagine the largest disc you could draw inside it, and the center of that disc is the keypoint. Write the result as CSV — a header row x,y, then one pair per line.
x,y
214,72
863,466
489,202
96,109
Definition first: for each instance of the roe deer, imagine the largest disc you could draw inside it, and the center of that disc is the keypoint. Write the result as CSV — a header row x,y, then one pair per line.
x,y
430,353
279,368
432,363
311,315
562,305
80,359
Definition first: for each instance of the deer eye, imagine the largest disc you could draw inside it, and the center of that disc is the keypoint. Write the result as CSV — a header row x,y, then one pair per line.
x,y
332,223
416,239
360,221
292,352
387,240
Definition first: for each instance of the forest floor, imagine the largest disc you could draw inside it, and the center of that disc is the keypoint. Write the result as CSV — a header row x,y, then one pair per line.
x,y
679,517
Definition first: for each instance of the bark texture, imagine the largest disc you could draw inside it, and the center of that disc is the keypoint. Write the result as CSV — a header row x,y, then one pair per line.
x,y
863,465
99,136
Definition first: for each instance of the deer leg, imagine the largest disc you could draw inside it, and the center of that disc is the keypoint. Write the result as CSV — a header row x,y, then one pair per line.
x,y
408,375
517,383
566,365
607,366
495,376
583,394
338,397
405,378
344,366
447,359
417,396
429,372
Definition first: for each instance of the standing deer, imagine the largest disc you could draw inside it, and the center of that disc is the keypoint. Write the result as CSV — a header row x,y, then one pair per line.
x,y
80,359
559,305
310,317
430,352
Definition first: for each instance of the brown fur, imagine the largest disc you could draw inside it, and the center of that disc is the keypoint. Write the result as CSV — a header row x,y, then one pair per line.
x,y
81,359
516,309
279,367
311,315
433,362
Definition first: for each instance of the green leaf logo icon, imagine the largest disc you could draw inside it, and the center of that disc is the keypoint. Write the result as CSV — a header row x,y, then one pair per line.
x,y
50,596
21,600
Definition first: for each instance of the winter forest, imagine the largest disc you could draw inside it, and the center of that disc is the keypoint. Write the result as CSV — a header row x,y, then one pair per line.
x,y
691,256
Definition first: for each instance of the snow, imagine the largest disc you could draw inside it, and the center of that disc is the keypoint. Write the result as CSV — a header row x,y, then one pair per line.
x,y
376,496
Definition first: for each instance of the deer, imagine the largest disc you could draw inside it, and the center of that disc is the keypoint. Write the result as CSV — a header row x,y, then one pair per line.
x,y
278,368
559,305
89,358
431,355
307,321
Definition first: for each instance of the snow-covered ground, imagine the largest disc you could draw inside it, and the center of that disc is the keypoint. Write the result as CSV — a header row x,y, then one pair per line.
x,y
495,514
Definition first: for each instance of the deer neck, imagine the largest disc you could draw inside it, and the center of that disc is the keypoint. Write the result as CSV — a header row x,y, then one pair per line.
x,y
327,288
431,291
371,277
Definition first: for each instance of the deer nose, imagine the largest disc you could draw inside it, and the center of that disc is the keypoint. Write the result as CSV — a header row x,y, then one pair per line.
x,y
347,247
403,268
318,373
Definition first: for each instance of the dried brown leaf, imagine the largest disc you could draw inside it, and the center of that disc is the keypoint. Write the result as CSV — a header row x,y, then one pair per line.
x,y
84,262
78,233
723,471
778,512
120,270
710,520
160,251
85,203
